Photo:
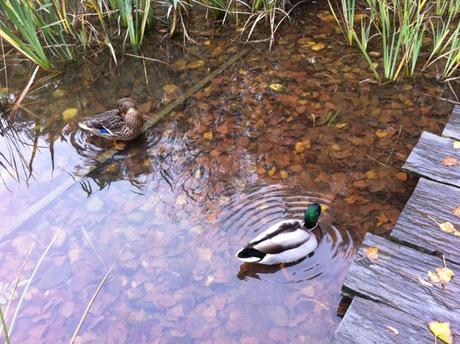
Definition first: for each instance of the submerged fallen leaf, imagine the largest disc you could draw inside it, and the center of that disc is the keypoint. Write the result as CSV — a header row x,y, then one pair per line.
x,y
69,113
284,174
381,133
204,254
276,87
441,330
341,125
272,171
195,64
372,252
393,329
208,135
449,161
442,275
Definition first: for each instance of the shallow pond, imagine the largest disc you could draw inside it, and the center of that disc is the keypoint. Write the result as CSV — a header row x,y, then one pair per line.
x,y
158,224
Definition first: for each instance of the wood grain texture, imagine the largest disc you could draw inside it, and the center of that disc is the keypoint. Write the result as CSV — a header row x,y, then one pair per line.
x,y
394,280
415,227
426,159
452,128
369,322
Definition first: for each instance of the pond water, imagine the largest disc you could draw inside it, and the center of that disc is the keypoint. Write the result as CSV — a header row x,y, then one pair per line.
x,y
158,224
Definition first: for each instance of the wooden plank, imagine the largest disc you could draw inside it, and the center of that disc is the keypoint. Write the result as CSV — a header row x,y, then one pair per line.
x,y
394,279
416,227
452,128
427,156
369,322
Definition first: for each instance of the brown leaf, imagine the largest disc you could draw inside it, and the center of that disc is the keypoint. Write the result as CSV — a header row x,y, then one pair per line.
x,y
449,161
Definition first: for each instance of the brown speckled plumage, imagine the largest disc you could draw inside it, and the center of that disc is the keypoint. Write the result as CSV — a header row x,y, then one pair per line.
x,y
124,123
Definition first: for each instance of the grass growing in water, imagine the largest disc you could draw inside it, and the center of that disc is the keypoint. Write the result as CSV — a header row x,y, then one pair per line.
x,y
403,29
51,31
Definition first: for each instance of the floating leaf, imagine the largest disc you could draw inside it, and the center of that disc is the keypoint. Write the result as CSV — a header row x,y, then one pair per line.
x,y
284,174
372,252
276,87
441,330
456,145
324,207
272,171
449,161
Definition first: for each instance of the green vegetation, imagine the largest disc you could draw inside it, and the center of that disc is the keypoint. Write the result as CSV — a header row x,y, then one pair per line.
x,y
51,31
403,31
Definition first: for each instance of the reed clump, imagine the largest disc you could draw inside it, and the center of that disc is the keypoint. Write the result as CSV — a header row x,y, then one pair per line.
x,y
51,31
410,35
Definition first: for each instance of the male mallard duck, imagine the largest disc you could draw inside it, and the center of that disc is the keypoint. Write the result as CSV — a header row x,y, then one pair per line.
x,y
285,242
122,124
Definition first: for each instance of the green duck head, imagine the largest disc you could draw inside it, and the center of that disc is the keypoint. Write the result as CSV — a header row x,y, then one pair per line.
x,y
311,216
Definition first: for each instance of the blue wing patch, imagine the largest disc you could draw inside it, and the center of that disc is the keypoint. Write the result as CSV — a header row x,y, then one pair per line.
x,y
103,131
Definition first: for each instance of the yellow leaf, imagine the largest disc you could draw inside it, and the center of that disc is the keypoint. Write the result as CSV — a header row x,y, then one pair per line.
x,y
445,274
208,135
372,252
69,113
371,174
456,144
442,275
276,87
441,330
381,133
324,207
341,125
272,171
284,174
447,227
457,211
195,64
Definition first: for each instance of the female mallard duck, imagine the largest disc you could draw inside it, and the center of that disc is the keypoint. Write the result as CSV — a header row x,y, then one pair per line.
x,y
285,242
122,124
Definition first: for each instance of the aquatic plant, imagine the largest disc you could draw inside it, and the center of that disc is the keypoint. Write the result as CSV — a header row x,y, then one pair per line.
x,y
401,30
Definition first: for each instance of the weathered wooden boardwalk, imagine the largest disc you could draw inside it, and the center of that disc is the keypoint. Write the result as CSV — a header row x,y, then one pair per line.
x,y
393,298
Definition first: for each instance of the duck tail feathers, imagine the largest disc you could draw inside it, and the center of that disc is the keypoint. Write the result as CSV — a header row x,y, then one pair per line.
x,y
250,255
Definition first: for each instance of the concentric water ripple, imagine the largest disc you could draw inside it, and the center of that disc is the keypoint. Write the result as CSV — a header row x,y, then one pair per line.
x,y
247,214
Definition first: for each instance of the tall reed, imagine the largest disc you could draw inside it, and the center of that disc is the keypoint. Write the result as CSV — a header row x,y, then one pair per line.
x,y
400,29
